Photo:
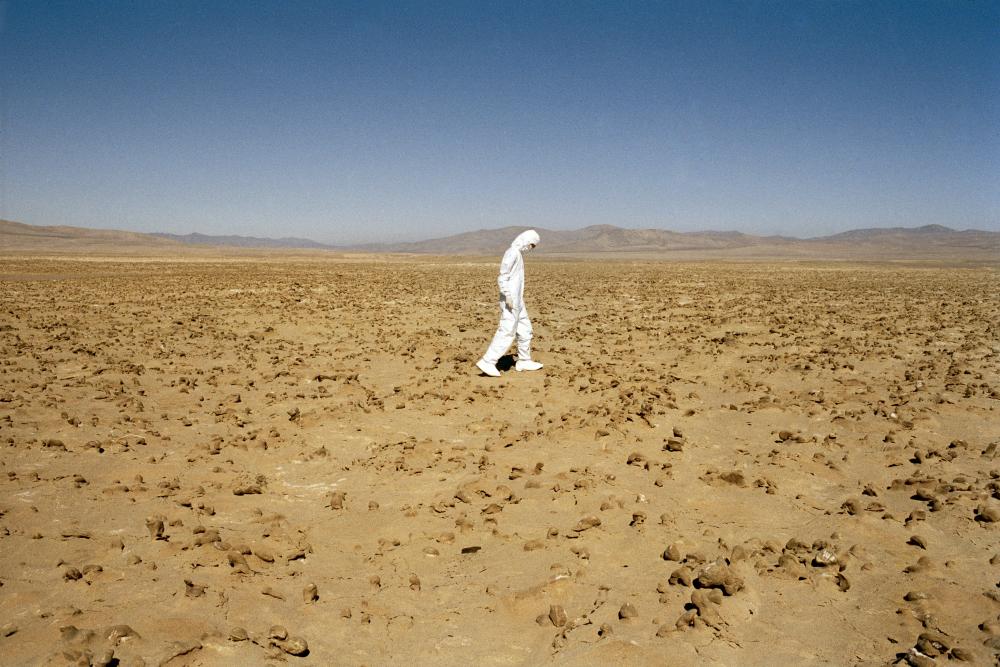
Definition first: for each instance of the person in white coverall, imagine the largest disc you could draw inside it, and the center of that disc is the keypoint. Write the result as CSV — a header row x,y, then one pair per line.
x,y
514,320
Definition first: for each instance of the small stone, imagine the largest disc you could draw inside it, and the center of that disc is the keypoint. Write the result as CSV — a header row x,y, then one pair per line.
x,y
852,506
238,562
104,658
682,575
587,522
922,565
918,659
685,620
673,552
628,611
116,633
238,634
720,576
825,558
310,593
271,592
264,554
673,445
155,527
247,489
636,458
917,541
706,605
932,643
557,615
961,654
293,646
193,590
987,514
337,499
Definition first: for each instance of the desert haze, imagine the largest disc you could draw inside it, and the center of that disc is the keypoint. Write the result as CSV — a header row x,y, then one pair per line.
x,y
222,457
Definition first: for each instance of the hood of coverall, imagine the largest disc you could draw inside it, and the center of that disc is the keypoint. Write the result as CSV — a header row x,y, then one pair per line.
x,y
524,239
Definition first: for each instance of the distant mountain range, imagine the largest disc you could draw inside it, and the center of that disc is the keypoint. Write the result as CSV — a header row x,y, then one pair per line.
x,y
245,241
610,239
597,238
930,241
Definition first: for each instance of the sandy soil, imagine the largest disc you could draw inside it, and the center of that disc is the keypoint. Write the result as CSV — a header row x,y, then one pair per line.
x,y
221,463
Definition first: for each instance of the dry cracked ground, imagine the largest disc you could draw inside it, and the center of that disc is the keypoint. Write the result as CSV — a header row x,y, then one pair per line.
x,y
295,461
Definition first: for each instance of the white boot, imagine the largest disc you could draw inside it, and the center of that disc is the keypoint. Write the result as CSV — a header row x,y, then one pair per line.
x,y
527,365
488,368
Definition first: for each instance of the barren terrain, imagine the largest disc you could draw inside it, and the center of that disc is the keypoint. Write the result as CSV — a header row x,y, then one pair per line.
x,y
235,461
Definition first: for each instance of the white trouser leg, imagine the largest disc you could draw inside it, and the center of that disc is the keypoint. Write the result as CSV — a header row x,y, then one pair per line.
x,y
523,332
503,337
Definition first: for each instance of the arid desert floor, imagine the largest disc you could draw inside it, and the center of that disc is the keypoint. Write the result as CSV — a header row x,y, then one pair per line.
x,y
248,461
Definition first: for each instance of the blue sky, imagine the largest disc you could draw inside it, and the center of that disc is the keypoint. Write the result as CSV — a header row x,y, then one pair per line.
x,y
348,122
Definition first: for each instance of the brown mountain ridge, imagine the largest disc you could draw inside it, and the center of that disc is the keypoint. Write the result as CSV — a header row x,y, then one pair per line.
x,y
927,242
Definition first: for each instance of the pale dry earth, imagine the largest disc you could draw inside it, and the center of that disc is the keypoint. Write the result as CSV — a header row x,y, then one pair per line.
x,y
720,464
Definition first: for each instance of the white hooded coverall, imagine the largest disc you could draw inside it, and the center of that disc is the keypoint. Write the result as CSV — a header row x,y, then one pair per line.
x,y
513,315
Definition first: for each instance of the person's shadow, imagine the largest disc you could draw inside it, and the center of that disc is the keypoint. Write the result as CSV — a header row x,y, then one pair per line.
x,y
506,362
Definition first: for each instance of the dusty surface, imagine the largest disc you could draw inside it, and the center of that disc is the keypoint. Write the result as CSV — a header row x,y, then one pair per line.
x,y
719,464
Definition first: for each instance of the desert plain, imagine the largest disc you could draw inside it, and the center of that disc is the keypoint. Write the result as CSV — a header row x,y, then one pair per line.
x,y
266,459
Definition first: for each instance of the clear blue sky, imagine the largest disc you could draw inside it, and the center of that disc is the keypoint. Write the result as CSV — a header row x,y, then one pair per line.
x,y
347,122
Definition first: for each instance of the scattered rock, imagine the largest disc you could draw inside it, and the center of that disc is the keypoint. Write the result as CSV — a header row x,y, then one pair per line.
x,y
628,611
296,646
987,513
193,590
587,522
720,576
337,499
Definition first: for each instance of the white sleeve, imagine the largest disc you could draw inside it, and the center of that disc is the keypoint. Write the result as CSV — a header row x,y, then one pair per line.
x,y
506,273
